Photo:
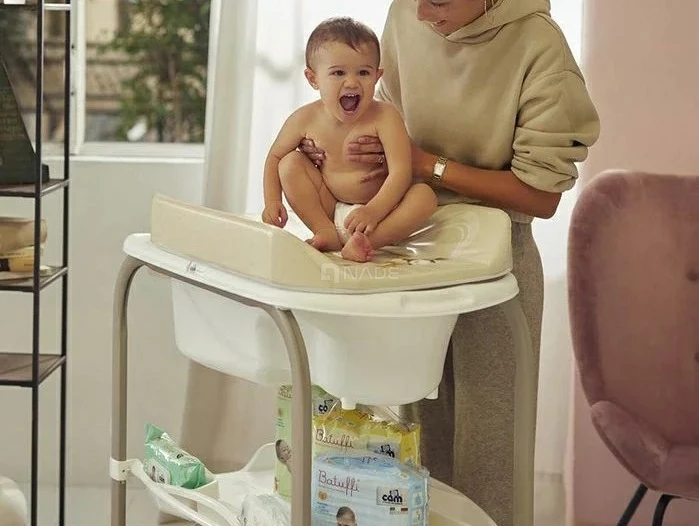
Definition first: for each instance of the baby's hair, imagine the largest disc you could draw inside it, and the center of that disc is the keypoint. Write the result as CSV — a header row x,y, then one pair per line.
x,y
342,29
344,510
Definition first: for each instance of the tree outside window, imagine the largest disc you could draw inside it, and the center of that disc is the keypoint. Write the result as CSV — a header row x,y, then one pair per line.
x,y
157,57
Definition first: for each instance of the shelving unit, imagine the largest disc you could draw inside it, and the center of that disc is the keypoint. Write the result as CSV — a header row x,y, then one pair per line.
x,y
30,369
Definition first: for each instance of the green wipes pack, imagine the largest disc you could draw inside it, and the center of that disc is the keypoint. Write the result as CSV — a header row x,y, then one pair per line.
x,y
166,463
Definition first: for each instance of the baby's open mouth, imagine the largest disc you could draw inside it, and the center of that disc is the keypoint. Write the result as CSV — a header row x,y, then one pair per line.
x,y
350,103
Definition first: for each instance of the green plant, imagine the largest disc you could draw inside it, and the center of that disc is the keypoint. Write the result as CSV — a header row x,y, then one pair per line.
x,y
165,43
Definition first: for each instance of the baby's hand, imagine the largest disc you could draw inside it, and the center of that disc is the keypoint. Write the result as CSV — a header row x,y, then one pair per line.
x,y
275,214
362,219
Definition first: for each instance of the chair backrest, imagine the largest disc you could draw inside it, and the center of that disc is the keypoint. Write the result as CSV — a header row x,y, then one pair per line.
x,y
633,278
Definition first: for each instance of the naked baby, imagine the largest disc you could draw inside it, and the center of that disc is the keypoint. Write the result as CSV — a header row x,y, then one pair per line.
x,y
346,210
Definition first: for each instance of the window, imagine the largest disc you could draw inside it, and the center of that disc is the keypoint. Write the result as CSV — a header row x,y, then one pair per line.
x,y
145,70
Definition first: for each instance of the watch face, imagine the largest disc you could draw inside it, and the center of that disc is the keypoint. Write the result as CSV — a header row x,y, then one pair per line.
x,y
439,166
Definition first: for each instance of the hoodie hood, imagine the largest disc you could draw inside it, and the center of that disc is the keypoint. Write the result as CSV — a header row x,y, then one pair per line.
x,y
502,12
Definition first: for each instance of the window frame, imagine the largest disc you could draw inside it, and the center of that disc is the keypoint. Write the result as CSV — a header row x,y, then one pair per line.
x,y
121,150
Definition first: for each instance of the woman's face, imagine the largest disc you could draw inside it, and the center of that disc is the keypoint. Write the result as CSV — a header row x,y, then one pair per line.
x,y
447,16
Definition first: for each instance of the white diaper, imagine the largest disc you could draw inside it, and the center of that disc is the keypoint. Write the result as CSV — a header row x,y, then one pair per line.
x,y
342,210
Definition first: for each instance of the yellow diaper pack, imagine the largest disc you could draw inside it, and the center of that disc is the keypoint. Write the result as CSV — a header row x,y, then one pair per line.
x,y
342,433
355,433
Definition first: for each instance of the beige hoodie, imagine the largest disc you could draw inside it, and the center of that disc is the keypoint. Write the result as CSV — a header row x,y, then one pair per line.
x,y
503,92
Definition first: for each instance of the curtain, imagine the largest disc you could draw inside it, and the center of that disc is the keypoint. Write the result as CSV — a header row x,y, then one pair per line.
x,y
246,410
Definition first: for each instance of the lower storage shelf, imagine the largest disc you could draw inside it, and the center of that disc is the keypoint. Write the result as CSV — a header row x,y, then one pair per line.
x,y
16,368
219,503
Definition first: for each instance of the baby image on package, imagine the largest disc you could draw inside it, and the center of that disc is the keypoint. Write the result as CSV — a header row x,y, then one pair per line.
x,y
321,402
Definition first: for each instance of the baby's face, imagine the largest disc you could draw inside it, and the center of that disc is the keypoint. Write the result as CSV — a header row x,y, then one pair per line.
x,y
284,452
345,78
346,520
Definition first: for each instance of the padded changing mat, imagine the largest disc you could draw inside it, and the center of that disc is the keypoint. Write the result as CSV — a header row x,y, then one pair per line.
x,y
460,243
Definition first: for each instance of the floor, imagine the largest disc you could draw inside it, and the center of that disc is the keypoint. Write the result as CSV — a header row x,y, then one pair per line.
x,y
90,506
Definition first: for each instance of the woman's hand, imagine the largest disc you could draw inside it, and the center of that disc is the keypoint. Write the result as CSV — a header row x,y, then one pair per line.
x,y
366,149
369,149
316,155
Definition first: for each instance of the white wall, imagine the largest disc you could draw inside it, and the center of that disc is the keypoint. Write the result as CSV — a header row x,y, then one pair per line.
x,y
647,100
109,200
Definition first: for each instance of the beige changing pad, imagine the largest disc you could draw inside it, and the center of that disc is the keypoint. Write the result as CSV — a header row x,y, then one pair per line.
x,y
461,243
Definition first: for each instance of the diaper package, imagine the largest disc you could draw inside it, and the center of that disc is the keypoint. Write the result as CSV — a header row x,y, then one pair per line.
x,y
321,403
166,463
265,510
360,432
371,490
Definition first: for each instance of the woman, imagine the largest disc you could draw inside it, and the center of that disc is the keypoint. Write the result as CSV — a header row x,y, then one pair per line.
x,y
498,113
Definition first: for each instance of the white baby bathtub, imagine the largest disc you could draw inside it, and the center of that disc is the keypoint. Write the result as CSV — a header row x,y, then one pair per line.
x,y
392,353
368,341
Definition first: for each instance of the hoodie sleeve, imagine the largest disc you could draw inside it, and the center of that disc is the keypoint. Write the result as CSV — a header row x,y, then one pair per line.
x,y
556,124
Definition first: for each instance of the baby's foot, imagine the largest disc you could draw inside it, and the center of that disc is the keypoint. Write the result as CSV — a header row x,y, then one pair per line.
x,y
326,240
358,248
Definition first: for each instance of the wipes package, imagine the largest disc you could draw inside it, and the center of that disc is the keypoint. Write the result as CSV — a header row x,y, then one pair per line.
x,y
359,432
166,463
321,403
357,491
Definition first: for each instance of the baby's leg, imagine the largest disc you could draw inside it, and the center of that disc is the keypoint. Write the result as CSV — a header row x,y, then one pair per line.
x,y
309,197
418,204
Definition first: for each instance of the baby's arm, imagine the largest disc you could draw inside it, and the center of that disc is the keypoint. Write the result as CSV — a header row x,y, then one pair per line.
x,y
287,141
396,143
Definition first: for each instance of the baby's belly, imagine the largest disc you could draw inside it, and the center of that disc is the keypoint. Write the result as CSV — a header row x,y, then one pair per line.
x,y
349,188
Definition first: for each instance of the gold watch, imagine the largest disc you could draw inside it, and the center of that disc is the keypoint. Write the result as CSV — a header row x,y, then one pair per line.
x,y
438,171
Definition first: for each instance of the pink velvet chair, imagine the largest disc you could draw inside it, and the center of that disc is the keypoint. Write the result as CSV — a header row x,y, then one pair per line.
x,y
633,271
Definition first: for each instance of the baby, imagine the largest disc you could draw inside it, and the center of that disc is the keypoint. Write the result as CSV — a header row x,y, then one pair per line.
x,y
345,210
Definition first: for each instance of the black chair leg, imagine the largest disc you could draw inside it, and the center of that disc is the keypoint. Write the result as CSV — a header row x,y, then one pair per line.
x,y
633,505
659,514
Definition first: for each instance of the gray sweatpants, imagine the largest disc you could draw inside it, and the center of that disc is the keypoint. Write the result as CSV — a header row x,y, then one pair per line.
x,y
468,432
